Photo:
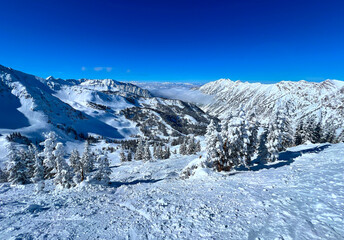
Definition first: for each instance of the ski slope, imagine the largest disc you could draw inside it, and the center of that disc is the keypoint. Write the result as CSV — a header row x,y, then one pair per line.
x,y
300,197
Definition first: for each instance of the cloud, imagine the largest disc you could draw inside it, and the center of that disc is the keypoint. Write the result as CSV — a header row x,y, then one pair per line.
x,y
98,69
83,68
183,91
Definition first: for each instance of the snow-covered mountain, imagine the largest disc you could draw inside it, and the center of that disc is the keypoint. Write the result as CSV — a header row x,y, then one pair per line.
x,y
321,102
105,107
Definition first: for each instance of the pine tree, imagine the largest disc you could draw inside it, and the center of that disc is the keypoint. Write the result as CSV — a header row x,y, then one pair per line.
x,y
75,161
104,171
129,156
38,175
253,130
299,134
47,154
122,156
198,146
63,174
87,161
263,152
167,152
30,160
139,150
215,155
273,142
147,156
16,166
183,149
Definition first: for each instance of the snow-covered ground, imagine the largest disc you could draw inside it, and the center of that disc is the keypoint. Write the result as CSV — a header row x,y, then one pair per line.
x,y
301,197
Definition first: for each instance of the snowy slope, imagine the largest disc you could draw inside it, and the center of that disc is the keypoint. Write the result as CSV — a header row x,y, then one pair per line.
x,y
74,107
323,102
301,197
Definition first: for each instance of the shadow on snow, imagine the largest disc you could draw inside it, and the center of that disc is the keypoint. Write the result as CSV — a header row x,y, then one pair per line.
x,y
118,184
285,158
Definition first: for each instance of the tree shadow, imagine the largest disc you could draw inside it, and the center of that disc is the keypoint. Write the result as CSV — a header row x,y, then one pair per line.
x,y
285,158
118,184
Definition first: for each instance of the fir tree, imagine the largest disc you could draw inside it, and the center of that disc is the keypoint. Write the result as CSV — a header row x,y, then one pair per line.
x,y
262,148
87,161
183,149
104,171
75,161
147,156
47,154
215,156
30,156
63,174
139,150
16,166
122,156
129,156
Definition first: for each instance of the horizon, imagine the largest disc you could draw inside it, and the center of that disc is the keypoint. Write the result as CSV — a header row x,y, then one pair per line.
x,y
176,82
180,41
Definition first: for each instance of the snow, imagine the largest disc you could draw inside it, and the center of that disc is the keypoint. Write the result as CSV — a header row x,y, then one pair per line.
x,y
301,197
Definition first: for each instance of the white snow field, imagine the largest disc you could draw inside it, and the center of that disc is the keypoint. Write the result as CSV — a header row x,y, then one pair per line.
x,y
301,197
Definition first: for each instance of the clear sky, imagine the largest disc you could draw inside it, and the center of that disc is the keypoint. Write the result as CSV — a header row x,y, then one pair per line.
x,y
179,40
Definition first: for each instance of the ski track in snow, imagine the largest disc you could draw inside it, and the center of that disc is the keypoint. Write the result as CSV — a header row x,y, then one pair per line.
x,y
300,200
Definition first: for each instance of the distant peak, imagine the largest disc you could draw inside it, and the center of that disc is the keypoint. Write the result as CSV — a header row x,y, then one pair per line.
x,y
50,78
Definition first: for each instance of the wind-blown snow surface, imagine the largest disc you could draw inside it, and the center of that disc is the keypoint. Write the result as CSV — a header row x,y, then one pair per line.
x,y
301,197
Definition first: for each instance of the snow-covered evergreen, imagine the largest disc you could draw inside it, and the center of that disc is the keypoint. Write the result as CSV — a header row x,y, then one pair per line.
x,y
147,156
139,150
47,154
87,161
215,154
103,172
64,175
16,167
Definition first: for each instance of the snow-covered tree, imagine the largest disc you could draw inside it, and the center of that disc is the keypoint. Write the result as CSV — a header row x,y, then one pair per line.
x,y
215,155
129,156
87,161
16,167
198,146
63,174
47,154
300,136
122,156
139,150
253,134
38,175
158,153
183,149
191,146
279,136
166,153
263,152
147,156
103,172
75,161
30,159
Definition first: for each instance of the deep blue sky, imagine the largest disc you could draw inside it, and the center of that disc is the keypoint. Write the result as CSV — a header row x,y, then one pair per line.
x,y
200,41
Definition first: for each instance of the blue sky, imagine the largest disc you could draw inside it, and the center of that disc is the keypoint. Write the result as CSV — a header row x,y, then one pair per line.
x,y
191,41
